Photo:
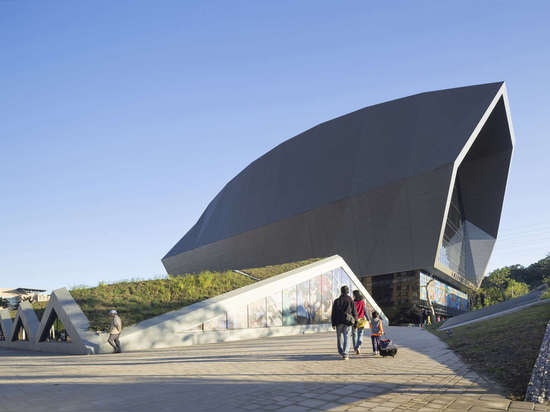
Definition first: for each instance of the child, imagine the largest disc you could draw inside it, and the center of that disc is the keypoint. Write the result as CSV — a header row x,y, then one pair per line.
x,y
377,330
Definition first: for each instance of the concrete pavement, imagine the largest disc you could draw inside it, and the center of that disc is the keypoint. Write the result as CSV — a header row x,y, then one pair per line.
x,y
298,373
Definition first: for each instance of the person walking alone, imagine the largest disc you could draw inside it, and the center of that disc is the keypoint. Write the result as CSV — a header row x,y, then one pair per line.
x,y
343,316
114,331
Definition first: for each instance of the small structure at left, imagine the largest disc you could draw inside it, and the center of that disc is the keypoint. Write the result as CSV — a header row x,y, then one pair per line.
x,y
63,327
10,298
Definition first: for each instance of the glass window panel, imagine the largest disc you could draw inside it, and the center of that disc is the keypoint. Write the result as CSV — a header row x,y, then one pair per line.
x,y
237,319
289,306
341,278
275,310
257,314
303,314
327,296
336,283
346,280
316,299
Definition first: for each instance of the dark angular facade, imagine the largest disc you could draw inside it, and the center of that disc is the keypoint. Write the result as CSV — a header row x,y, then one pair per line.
x,y
415,183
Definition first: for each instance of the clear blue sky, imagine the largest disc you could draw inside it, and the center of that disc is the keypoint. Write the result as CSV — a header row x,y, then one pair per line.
x,y
121,120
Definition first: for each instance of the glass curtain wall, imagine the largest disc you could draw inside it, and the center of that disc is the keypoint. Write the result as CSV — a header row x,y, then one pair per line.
x,y
307,303
456,252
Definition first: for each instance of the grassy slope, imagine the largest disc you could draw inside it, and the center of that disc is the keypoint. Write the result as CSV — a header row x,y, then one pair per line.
x,y
504,348
139,300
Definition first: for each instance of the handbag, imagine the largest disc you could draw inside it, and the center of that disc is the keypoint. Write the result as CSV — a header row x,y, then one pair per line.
x,y
361,323
350,320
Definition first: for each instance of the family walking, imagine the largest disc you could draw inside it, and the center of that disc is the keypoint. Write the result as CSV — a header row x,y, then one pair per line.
x,y
349,316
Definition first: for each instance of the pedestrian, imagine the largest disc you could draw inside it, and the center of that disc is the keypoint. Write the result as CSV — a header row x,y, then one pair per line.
x,y
343,316
358,328
114,331
377,330
424,318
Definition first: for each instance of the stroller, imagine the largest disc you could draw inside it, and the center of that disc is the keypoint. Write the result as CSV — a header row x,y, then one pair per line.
x,y
387,348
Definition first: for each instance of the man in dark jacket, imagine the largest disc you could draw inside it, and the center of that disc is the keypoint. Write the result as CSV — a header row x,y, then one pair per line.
x,y
340,309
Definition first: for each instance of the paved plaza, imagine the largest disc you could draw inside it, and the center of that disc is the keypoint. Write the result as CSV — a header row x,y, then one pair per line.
x,y
298,373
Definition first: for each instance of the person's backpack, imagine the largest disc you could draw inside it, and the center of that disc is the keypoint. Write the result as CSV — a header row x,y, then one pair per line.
x,y
343,306
375,326
350,320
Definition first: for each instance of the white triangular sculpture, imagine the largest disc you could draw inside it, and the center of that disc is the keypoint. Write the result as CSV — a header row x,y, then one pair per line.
x,y
26,332
25,324
5,324
63,306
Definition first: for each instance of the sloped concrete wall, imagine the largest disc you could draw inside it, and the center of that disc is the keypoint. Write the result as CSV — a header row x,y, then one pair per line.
x,y
175,328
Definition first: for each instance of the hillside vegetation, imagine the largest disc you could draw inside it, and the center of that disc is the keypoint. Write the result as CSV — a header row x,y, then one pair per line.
x,y
136,301
504,348
510,282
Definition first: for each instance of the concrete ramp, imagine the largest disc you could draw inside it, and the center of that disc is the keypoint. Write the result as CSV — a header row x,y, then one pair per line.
x,y
292,303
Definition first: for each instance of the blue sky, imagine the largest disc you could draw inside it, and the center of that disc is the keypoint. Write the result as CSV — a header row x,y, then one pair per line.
x,y
120,121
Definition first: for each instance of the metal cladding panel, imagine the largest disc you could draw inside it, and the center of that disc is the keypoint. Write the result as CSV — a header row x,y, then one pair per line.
x,y
343,157
399,224
373,232
372,186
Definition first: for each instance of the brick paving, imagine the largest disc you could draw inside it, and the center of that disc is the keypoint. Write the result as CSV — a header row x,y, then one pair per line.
x,y
294,374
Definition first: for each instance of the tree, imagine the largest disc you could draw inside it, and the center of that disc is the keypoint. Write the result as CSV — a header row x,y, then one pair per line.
x,y
477,299
515,289
493,295
497,281
535,273
510,282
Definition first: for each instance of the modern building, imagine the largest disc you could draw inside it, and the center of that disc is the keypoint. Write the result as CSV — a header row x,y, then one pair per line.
x,y
407,192
10,298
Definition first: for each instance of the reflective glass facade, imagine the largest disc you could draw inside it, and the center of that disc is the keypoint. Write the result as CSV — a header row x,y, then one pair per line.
x,y
442,294
402,296
465,248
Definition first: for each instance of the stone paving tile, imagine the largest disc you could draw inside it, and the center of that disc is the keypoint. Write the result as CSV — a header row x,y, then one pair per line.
x,y
522,406
300,373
